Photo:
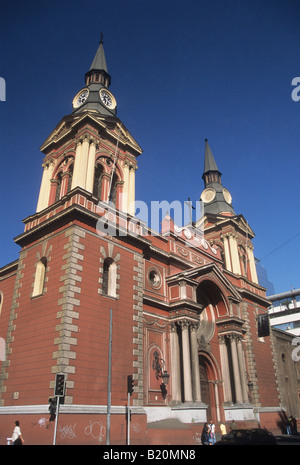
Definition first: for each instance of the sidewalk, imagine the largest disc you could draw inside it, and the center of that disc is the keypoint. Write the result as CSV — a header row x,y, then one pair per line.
x,y
288,438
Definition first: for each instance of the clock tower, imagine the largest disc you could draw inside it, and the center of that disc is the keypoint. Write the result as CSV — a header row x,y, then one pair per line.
x,y
91,148
222,226
95,96
215,197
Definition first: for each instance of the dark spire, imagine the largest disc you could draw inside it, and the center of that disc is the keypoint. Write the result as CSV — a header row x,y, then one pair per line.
x,y
211,172
209,161
96,96
98,71
217,199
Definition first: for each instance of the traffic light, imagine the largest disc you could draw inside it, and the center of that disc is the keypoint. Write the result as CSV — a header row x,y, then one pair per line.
x,y
59,390
52,408
130,384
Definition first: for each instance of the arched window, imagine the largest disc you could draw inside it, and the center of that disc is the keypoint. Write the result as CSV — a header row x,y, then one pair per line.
x,y
39,279
98,177
113,190
109,286
71,168
58,187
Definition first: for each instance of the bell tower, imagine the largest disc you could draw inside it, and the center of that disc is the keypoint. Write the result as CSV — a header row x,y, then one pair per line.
x,y
222,226
216,198
91,148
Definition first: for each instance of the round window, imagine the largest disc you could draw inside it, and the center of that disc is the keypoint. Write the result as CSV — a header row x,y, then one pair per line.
x,y
154,278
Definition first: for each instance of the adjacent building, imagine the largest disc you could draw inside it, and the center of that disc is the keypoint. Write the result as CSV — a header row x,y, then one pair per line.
x,y
285,311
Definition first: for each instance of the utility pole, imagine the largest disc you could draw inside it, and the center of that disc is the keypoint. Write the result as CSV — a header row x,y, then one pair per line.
x,y
109,382
130,389
56,420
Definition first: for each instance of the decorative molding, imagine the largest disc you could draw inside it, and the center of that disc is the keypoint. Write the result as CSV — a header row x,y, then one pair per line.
x,y
43,409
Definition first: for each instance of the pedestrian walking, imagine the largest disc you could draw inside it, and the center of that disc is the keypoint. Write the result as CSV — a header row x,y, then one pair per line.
x,y
212,433
17,439
288,426
293,425
233,425
205,435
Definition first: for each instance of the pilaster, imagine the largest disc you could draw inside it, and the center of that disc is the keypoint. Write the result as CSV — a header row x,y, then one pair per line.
x,y
138,330
44,194
68,314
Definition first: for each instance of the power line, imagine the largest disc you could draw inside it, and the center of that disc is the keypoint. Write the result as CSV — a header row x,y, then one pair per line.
x,y
281,245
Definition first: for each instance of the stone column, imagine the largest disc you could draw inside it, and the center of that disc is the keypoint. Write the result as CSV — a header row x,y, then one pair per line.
x,y
195,363
234,254
225,370
84,163
125,194
217,402
77,167
175,364
44,194
242,369
236,369
91,167
131,196
187,376
227,253
252,265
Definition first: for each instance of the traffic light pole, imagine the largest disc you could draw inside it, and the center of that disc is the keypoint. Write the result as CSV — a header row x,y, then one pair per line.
x,y
128,420
59,391
56,420
109,382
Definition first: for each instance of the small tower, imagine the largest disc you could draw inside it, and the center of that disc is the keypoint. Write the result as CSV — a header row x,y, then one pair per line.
x,y
91,148
95,96
216,198
222,226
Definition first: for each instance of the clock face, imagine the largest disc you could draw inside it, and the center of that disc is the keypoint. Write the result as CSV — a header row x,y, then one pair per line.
x,y
80,98
107,98
227,196
208,195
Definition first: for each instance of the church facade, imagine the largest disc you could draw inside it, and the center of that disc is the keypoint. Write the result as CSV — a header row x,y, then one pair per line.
x,y
97,296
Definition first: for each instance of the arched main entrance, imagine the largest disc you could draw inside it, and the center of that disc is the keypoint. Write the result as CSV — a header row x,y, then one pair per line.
x,y
205,395
210,385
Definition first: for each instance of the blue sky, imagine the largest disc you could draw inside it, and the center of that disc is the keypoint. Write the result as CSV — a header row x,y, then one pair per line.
x,y
181,72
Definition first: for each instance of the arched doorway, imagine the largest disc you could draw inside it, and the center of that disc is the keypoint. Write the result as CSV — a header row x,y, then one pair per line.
x,y
205,394
209,381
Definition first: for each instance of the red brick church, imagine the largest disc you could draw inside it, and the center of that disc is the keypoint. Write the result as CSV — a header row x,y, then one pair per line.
x,y
183,306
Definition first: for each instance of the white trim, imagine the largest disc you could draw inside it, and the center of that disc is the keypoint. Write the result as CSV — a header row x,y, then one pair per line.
x,y
69,409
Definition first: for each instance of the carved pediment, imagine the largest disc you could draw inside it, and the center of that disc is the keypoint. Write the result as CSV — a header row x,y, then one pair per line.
x,y
210,272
